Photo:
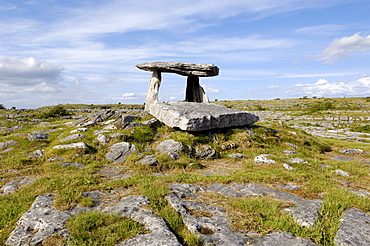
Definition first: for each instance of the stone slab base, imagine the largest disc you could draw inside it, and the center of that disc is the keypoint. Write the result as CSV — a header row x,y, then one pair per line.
x,y
191,116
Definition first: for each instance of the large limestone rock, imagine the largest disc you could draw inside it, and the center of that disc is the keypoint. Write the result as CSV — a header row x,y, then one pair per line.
x,y
191,116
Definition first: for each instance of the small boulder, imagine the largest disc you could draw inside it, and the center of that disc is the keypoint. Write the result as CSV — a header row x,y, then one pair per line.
x,y
73,137
351,151
262,159
102,139
37,136
80,145
169,146
205,152
120,151
297,160
148,160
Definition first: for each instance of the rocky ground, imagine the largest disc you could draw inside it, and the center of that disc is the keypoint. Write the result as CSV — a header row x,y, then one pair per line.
x,y
221,185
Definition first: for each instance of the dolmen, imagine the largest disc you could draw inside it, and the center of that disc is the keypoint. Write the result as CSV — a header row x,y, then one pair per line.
x,y
196,113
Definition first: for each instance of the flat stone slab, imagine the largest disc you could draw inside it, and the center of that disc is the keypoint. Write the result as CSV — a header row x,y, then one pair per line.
x,y
354,229
182,68
191,116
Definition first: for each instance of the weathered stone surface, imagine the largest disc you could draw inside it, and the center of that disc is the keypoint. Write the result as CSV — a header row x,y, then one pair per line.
x,y
354,229
98,117
71,164
102,139
237,156
159,235
297,160
351,151
37,153
79,145
169,146
191,116
12,186
7,143
288,167
289,152
262,159
37,136
120,151
39,222
288,186
182,68
82,129
341,173
148,160
205,152
73,137
281,238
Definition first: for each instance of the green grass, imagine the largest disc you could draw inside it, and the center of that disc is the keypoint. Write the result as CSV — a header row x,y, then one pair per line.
x,y
101,229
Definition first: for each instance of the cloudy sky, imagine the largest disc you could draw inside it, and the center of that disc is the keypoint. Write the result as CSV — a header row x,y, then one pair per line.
x,y
77,51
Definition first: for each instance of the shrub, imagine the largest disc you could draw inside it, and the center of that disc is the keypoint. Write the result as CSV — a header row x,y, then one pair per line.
x,y
54,112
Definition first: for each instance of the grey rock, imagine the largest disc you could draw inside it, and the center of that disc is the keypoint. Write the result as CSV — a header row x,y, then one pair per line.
x,y
297,160
289,186
80,145
56,159
186,69
12,186
262,159
236,156
98,117
101,132
73,137
169,146
323,166
71,164
131,207
14,128
362,193
342,173
213,229
120,151
174,155
39,222
37,136
110,127
281,238
205,152
150,122
148,160
37,153
354,229
192,116
288,167
82,129
7,143
342,158
351,151
289,152
292,145
6,150
102,139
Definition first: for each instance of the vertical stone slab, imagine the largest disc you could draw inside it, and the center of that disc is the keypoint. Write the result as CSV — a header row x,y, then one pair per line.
x,y
194,92
153,88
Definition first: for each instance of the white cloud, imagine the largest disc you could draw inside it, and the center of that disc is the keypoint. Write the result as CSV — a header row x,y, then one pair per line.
x,y
321,88
27,72
328,29
131,96
212,89
343,47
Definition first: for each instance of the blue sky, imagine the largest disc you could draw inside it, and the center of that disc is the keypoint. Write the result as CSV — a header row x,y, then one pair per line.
x,y
77,51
